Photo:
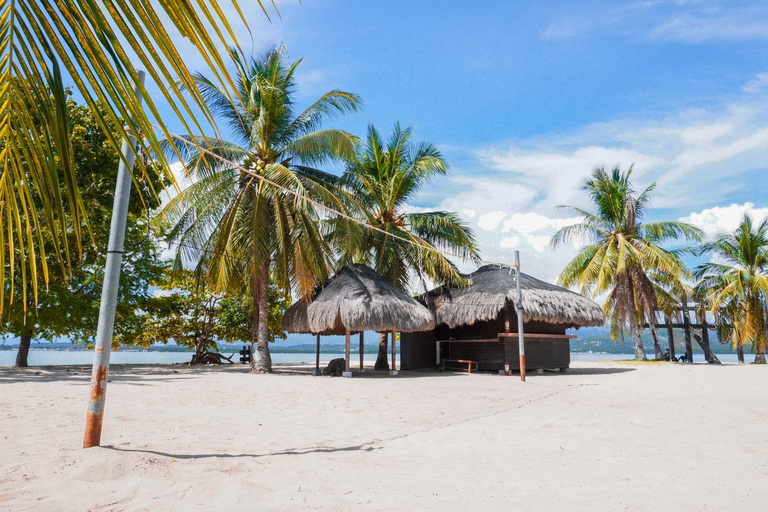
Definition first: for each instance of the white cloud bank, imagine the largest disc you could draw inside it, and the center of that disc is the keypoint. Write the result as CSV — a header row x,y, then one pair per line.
x,y
701,161
721,220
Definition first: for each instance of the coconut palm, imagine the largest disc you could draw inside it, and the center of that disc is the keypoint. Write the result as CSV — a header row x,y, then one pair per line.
x,y
382,178
236,226
735,285
623,252
97,45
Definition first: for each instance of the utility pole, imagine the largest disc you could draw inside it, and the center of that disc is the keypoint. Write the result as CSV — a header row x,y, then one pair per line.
x,y
519,308
106,325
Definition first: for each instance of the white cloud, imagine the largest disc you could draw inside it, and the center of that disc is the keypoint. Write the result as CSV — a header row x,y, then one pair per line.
x,y
510,242
716,24
758,83
724,219
489,221
686,21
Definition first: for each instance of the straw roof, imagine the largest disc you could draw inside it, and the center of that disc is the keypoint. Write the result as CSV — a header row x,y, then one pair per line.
x,y
358,299
493,287
295,319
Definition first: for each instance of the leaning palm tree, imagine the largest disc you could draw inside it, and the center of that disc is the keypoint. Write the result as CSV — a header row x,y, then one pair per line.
x,y
735,285
623,252
97,45
381,179
247,212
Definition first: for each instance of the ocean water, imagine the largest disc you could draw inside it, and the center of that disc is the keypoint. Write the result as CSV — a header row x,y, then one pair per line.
x,y
39,357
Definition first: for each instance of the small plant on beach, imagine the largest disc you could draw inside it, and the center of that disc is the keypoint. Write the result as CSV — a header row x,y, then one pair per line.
x,y
190,314
382,178
624,256
735,285
241,228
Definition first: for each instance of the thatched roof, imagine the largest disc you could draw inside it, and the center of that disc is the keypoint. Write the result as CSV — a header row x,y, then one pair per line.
x,y
295,318
493,286
358,299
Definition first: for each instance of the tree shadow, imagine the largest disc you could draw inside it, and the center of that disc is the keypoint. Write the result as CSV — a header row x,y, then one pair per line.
x,y
306,451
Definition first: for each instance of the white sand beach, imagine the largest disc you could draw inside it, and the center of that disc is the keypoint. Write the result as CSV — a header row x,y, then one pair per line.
x,y
607,436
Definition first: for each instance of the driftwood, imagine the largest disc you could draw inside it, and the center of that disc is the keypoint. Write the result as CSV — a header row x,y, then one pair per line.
x,y
206,357
336,367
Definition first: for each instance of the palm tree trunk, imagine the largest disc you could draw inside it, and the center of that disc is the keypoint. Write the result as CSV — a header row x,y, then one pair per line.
x,y
637,336
262,362
740,353
22,356
760,355
381,360
656,346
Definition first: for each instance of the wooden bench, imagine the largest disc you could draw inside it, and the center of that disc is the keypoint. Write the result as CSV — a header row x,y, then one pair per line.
x,y
461,361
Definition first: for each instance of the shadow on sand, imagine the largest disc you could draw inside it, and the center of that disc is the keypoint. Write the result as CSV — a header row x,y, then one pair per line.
x,y
299,451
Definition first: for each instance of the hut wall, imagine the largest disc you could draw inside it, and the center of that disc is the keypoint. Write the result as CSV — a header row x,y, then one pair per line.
x,y
490,355
540,353
418,350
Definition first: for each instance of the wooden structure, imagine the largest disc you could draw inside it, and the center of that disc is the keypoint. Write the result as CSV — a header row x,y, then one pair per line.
x,y
355,300
479,323
692,319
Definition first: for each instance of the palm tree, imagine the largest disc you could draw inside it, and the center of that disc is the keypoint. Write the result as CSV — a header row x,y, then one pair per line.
x,y
624,252
97,45
382,178
735,285
235,225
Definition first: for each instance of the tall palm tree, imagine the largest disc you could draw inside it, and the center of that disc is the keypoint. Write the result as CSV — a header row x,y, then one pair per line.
x,y
96,45
382,178
623,252
735,285
235,225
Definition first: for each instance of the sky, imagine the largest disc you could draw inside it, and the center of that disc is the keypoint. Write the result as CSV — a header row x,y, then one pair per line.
x,y
525,98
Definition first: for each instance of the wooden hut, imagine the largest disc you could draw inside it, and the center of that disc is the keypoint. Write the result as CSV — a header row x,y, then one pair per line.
x,y
358,299
478,324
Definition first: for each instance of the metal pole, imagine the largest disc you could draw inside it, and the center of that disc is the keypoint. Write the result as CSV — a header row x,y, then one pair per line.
x,y
106,325
394,354
519,308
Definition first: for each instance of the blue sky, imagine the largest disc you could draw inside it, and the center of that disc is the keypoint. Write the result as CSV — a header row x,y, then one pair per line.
x,y
525,98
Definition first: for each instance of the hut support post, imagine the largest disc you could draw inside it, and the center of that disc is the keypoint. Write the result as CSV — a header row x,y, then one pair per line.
x,y
393,366
317,356
688,344
348,371
106,324
670,339
519,307
362,352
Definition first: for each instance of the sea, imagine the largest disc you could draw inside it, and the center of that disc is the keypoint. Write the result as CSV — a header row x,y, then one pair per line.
x,y
43,357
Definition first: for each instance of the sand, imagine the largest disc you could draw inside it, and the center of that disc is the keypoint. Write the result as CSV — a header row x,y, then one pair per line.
x,y
603,437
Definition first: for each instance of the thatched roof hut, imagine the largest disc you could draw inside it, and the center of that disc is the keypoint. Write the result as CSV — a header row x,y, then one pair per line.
x,y
492,288
358,299
295,319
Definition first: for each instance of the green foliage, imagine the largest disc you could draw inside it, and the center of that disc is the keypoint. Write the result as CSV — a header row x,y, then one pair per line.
x,y
382,178
69,305
99,45
624,259
735,286
189,313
